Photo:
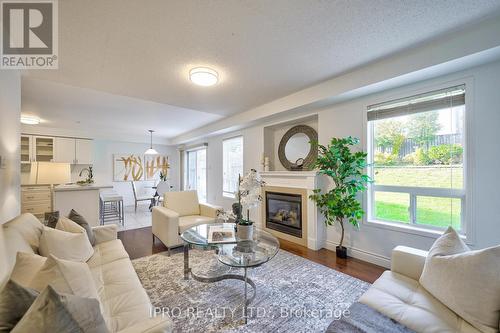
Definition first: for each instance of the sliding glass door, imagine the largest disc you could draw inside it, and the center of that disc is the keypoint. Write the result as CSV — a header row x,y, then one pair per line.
x,y
195,173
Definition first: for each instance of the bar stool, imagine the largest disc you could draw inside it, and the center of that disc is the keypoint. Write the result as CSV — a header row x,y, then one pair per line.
x,y
111,207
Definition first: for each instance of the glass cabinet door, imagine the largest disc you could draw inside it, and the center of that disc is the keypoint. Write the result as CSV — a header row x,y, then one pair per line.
x,y
26,149
43,149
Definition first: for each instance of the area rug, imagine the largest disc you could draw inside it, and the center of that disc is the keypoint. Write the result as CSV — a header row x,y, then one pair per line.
x,y
293,294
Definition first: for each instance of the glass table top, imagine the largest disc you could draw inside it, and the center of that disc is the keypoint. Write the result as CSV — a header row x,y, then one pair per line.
x,y
241,253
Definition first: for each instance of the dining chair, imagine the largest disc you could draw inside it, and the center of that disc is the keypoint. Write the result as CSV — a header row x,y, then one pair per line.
x,y
138,198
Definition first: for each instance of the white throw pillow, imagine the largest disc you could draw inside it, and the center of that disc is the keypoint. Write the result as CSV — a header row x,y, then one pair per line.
x,y
468,282
66,245
68,277
66,224
26,267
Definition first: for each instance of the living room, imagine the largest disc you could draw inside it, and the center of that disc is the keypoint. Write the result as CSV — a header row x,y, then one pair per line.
x,y
280,166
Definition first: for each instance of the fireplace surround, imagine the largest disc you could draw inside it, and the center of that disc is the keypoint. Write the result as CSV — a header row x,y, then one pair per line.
x,y
298,183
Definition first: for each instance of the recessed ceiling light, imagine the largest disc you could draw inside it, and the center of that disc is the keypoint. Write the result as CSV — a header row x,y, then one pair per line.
x,y
30,120
203,76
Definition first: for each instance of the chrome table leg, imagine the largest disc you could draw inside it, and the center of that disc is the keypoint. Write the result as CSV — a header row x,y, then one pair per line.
x,y
245,304
186,261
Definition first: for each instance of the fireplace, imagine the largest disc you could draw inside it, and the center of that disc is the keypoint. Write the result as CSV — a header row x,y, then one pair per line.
x,y
284,213
291,190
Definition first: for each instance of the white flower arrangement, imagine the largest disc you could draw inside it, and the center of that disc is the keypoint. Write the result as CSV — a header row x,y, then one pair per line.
x,y
248,195
226,215
249,192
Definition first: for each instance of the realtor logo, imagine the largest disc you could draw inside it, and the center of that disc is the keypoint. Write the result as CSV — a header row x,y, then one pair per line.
x,y
29,34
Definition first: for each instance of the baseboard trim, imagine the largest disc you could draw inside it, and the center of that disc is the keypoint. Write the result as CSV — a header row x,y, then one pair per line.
x,y
367,256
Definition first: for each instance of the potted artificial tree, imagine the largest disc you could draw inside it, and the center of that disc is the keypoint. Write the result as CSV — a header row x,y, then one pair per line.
x,y
345,168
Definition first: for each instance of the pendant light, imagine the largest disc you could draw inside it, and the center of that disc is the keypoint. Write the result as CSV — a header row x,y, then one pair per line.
x,y
151,151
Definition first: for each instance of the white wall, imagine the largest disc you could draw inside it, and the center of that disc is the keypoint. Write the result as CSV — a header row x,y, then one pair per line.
x,y
253,143
374,243
10,112
103,165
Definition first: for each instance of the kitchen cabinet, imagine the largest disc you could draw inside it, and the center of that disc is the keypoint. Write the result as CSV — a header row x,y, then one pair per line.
x,y
73,151
36,149
64,150
55,149
36,199
26,149
42,148
84,152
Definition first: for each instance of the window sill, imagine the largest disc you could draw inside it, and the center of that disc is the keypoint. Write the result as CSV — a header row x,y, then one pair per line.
x,y
228,196
408,229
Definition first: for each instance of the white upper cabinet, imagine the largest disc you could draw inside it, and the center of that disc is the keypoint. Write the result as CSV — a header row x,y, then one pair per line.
x,y
64,150
54,149
84,151
26,149
43,149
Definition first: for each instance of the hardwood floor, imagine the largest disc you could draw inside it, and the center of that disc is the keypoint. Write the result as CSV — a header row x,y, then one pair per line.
x,y
139,243
354,267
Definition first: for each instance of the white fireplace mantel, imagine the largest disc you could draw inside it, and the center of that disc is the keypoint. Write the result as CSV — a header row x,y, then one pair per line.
x,y
286,173
298,179
307,180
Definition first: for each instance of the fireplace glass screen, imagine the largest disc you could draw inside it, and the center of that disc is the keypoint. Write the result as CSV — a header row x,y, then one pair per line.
x,y
284,213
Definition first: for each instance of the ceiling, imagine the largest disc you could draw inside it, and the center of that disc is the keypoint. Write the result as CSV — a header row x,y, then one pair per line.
x,y
133,57
104,115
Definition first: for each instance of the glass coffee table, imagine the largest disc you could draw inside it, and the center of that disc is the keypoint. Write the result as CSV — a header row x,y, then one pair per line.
x,y
240,254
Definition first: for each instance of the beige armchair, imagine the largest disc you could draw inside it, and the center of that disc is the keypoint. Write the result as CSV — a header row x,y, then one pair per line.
x,y
180,211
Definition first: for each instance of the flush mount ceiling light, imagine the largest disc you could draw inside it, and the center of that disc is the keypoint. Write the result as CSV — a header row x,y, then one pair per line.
x,y
151,151
203,76
30,120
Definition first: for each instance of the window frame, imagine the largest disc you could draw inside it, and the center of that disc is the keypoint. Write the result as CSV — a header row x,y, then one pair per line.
x,y
465,194
185,171
225,194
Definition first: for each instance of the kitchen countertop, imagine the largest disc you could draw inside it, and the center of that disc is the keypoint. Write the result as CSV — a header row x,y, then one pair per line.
x,y
75,187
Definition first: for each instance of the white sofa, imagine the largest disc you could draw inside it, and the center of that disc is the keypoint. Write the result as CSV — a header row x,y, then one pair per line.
x,y
180,211
398,295
125,305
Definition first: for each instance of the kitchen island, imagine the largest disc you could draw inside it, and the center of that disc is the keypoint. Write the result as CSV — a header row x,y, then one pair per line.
x,y
82,198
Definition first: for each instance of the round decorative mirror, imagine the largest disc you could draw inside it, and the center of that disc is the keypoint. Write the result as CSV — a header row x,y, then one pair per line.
x,y
297,147
296,151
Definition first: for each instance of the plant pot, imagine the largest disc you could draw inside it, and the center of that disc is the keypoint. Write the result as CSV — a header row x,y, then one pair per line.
x,y
341,252
244,232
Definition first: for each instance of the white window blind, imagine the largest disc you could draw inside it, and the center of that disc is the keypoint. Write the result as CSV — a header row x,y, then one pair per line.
x,y
434,100
416,154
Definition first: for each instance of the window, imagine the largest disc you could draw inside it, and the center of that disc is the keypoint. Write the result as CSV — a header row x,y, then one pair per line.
x,y
195,172
232,165
416,150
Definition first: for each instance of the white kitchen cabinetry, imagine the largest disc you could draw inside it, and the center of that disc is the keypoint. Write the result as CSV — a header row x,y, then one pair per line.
x,y
37,149
65,150
84,152
73,151
26,149
36,199
43,149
